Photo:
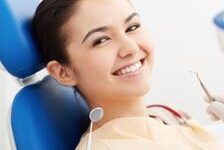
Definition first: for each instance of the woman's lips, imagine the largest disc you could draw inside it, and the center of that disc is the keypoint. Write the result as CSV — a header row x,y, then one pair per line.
x,y
131,69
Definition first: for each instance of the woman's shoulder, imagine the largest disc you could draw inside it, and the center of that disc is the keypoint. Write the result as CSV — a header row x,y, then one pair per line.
x,y
179,119
97,143
167,114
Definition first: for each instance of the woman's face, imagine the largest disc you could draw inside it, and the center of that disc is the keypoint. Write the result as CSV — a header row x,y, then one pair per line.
x,y
110,52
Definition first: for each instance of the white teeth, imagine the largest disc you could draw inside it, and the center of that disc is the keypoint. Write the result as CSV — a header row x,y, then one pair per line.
x,y
122,71
130,69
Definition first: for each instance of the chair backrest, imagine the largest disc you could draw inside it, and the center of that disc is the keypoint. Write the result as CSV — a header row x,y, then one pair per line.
x,y
44,115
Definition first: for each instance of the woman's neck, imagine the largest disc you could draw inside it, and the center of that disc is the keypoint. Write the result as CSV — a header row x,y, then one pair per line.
x,y
117,109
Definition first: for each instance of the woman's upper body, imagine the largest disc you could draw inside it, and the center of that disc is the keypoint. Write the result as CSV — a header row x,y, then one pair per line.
x,y
146,133
103,48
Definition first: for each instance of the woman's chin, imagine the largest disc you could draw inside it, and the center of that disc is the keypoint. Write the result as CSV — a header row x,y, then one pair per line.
x,y
135,91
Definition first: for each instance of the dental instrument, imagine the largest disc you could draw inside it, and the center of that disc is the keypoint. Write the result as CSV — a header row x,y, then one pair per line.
x,y
209,96
95,115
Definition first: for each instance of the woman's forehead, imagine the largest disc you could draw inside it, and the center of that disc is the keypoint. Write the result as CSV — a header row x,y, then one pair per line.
x,y
103,7
95,13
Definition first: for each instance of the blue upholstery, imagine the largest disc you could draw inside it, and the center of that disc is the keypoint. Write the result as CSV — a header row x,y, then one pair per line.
x,y
18,53
219,20
48,116
45,115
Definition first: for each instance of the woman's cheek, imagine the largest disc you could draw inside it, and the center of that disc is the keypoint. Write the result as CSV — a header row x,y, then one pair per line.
x,y
99,64
145,42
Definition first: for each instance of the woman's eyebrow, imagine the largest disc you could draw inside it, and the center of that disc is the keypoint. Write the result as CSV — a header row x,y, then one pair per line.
x,y
131,16
104,28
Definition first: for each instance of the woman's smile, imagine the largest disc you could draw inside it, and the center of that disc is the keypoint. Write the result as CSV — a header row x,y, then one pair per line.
x,y
134,70
130,70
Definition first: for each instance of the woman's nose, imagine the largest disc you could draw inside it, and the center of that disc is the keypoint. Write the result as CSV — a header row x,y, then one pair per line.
x,y
128,48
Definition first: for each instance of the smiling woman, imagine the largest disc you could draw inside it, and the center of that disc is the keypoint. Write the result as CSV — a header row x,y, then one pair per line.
x,y
102,48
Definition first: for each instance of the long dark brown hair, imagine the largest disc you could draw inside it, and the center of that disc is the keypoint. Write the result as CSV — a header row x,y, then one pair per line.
x,y
47,25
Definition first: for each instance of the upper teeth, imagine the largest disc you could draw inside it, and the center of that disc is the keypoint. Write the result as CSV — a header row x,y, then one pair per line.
x,y
130,69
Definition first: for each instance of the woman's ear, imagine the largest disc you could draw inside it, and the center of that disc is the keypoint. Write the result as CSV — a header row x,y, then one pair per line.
x,y
62,74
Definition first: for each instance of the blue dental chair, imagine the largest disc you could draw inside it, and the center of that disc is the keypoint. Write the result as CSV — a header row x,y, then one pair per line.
x,y
219,22
44,115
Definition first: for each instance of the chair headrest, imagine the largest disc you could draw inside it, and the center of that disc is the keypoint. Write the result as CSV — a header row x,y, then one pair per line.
x,y
219,20
18,52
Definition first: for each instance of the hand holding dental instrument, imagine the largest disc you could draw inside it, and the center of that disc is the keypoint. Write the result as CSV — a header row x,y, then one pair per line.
x,y
95,115
216,105
216,109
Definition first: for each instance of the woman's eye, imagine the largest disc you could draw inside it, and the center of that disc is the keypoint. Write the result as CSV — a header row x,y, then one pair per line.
x,y
133,27
100,41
